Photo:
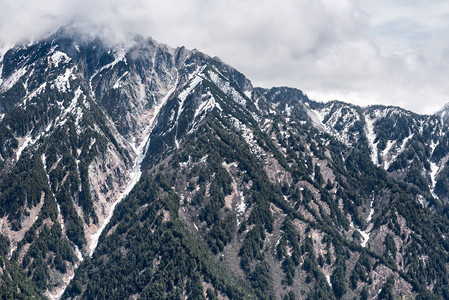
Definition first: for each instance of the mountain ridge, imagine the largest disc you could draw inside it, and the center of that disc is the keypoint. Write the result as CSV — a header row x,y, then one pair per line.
x,y
150,150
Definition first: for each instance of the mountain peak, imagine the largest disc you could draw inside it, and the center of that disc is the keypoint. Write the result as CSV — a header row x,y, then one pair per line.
x,y
168,168
444,111
87,32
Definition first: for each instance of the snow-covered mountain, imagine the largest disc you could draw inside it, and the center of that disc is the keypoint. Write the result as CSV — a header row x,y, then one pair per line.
x,y
409,146
154,172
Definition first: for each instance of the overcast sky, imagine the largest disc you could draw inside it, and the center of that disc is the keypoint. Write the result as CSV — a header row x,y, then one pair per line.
x,y
365,52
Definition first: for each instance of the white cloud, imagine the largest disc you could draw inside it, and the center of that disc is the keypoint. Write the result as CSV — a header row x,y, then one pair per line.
x,y
360,51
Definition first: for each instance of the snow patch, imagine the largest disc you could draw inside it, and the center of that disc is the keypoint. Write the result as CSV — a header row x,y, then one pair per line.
x,y
134,178
434,168
371,213
3,51
388,148
172,117
79,116
371,136
62,82
317,118
183,96
365,236
247,134
241,207
187,163
328,279
405,142
344,117
422,200
60,218
62,119
59,293
266,124
12,79
366,233
58,57
208,105
277,243
117,84
400,150
28,140
119,55
36,92
385,152
136,173
288,110
226,88
433,175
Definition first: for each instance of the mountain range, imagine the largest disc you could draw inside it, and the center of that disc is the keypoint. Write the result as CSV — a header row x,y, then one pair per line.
x,y
151,172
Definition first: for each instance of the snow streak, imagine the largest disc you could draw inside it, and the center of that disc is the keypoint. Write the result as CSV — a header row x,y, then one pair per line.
x,y
136,173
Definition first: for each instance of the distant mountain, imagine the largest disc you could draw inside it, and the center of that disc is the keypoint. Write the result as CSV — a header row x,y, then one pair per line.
x,y
162,173
411,147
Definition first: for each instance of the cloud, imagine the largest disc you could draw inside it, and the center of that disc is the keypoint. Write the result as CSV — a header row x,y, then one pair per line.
x,y
360,51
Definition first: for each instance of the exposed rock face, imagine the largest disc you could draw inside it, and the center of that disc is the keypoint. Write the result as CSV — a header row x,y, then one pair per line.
x,y
148,158
96,107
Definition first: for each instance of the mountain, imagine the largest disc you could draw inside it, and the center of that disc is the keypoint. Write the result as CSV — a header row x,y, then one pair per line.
x,y
154,172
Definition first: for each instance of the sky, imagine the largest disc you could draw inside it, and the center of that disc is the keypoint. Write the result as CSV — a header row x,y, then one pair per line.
x,y
365,52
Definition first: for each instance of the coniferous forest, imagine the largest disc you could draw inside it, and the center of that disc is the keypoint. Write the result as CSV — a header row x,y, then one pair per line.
x,y
161,173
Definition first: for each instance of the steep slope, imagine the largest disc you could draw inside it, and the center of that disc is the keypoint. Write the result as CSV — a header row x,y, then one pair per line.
x,y
291,210
411,147
155,172
70,149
